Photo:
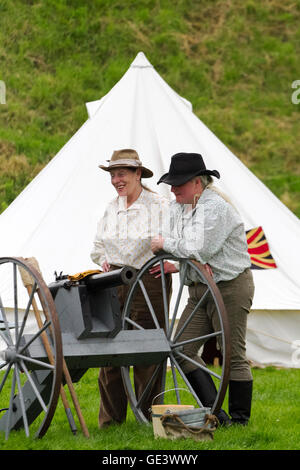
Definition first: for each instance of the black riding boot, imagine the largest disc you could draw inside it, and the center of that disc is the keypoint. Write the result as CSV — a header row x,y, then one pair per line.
x,y
239,402
206,391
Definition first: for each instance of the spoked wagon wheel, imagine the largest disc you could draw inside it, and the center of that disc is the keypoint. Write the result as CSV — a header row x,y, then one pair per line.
x,y
29,388
176,355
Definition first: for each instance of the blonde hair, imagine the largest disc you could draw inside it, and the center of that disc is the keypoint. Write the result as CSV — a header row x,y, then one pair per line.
x,y
142,184
147,189
208,182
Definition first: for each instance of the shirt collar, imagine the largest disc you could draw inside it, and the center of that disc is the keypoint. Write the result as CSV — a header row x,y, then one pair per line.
x,y
121,202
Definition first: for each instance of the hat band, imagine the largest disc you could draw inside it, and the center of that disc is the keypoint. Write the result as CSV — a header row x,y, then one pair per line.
x,y
125,161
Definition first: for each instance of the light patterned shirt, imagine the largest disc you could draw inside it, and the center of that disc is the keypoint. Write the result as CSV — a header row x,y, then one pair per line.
x,y
124,234
212,233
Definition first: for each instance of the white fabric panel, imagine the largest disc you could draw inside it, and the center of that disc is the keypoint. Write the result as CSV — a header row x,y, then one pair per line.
x,y
273,338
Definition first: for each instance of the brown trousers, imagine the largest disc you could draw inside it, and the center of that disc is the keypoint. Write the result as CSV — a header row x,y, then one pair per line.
x,y
237,295
113,403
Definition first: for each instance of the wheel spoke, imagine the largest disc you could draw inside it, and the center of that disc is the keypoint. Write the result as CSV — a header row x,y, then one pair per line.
x,y
175,381
9,338
35,361
187,383
164,376
149,304
193,340
191,315
16,300
147,389
21,398
133,323
4,337
34,337
5,376
3,364
178,300
163,381
198,365
26,315
37,393
164,292
12,393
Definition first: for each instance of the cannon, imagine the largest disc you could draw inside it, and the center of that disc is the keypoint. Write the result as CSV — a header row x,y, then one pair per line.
x,y
52,334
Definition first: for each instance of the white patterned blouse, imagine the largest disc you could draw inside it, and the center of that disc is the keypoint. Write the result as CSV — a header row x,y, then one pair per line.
x,y
124,234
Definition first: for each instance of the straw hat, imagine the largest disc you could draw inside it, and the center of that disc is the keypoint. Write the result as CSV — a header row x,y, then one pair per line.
x,y
126,158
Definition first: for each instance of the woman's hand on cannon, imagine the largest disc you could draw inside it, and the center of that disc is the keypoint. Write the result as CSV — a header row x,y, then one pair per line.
x,y
105,266
168,268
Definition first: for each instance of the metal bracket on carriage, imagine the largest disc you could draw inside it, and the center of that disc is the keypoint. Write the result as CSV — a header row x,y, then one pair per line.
x,y
62,277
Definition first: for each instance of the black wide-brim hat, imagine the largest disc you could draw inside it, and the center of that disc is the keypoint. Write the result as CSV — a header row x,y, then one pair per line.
x,y
184,167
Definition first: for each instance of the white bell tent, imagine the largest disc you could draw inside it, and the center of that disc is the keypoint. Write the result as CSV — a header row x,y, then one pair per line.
x,y
54,218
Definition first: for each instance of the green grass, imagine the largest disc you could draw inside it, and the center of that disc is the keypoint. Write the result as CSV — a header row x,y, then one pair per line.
x,y
235,61
274,425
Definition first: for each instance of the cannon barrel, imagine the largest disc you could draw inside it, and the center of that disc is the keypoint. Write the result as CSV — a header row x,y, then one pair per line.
x,y
125,275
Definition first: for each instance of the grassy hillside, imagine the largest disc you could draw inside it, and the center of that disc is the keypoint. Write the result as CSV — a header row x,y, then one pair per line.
x,y
234,60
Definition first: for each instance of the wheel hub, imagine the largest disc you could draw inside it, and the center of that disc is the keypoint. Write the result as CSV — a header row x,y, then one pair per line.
x,y
9,354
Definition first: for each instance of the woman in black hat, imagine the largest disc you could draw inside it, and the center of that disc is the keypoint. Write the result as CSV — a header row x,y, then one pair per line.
x,y
205,226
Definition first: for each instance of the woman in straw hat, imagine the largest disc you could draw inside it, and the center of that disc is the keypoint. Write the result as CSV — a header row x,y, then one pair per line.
x,y
211,232
123,238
